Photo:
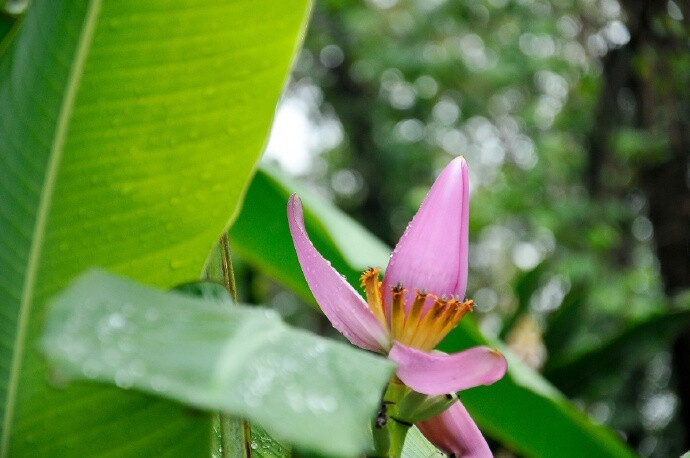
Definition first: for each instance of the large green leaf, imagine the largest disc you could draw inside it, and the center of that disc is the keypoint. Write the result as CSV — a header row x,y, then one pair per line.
x,y
523,410
213,355
127,135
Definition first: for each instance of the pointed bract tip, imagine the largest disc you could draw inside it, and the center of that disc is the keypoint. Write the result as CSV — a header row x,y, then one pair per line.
x,y
459,161
433,252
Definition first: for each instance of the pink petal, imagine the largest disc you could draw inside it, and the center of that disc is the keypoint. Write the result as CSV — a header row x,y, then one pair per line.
x,y
437,373
432,254
345,309
454,432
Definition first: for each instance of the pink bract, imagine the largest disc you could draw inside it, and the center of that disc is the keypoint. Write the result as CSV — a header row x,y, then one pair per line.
x,y
438,373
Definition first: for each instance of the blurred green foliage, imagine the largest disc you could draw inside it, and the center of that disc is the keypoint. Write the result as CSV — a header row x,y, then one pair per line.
x,y
574,116
546,100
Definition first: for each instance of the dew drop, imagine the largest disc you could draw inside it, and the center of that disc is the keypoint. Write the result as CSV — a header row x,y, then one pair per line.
x,y
90,368
127,189
152,314
254,445
116,321
295,400
124,379
201,196
159,384
125,345
329,404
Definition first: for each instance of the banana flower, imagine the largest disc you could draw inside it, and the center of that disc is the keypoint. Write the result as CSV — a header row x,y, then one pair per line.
x,y
420,300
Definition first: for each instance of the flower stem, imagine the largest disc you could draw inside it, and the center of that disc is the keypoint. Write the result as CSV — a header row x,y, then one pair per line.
x,y
236,436
226,265
398,432
389,429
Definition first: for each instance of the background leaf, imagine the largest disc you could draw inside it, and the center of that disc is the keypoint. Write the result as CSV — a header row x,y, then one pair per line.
x,y
633,346
264,446
123,123
526,413
331,230
523,410
308,390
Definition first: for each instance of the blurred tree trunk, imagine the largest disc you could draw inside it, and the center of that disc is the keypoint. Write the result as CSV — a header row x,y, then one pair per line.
x,y
649,67
662,101
350,99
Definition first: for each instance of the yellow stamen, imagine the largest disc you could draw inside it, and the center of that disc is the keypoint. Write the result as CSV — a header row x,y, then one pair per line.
x,y
452,320
426,324
398,311
413,329
412,320
444,324
372,288
434,334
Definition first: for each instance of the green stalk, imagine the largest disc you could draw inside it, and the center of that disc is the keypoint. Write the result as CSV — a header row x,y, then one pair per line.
x,y
398,432
388,428
226,265
236,436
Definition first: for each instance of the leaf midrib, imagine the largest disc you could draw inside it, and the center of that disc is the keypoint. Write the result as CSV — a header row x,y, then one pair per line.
x,y
56,150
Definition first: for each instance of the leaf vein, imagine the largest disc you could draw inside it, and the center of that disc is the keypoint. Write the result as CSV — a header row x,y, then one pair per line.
x,y
50,177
